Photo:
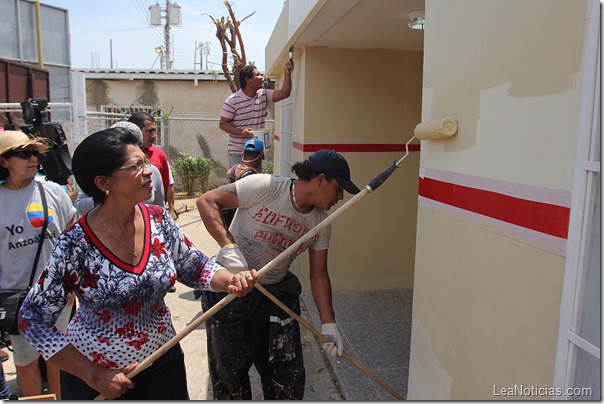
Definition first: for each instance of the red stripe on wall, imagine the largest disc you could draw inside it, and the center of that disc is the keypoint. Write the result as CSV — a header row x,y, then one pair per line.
x,y
356,147
353,147
539,216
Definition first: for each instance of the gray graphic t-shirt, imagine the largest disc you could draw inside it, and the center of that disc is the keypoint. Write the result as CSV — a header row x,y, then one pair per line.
x,y
20,227
266,224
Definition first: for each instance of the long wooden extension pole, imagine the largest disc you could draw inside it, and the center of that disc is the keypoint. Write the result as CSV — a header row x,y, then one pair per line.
x,y
372,186
228,298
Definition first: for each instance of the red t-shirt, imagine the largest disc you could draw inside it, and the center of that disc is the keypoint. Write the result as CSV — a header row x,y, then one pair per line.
x,y
159,159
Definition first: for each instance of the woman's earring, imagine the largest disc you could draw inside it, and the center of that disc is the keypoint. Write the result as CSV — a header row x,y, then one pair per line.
x,y
106,192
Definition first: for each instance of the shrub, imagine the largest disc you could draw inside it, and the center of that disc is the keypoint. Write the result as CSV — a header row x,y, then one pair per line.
x,y
267,167
192,172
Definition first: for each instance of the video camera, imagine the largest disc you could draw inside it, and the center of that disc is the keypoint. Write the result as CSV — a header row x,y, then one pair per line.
x,y
56,162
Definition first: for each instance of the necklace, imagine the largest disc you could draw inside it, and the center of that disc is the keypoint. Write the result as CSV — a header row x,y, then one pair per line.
x,y
298,208
134,253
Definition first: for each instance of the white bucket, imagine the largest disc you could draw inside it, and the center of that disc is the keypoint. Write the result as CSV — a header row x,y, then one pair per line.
x,y
263,135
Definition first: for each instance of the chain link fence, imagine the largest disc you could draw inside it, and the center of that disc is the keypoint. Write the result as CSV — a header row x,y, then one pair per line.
x,y
202,137
193,136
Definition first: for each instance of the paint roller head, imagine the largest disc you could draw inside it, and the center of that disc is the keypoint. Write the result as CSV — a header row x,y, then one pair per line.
x,y
438,128
291,53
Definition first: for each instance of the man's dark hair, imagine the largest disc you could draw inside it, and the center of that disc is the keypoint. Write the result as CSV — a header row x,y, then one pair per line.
x,y
246,73
138,118
304,172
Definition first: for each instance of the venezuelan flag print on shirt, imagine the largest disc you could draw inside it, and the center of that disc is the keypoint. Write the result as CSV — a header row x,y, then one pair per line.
x,y
35,215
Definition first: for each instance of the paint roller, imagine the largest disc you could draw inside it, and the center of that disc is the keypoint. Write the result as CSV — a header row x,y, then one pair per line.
x,y
434,129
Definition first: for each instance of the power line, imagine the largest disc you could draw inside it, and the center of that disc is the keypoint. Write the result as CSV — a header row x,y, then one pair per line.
x,y
82,33
142,10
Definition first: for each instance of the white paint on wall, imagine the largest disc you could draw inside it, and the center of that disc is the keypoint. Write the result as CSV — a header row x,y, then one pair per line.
x,y
429,378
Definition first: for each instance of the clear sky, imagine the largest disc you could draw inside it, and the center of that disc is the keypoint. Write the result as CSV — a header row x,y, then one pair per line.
x,y
119,31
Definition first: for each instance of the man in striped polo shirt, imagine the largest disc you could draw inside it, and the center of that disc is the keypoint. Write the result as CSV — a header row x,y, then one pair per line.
x,y
245,110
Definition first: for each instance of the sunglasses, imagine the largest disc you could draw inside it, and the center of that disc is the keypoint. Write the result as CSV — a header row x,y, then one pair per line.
x,y
23,154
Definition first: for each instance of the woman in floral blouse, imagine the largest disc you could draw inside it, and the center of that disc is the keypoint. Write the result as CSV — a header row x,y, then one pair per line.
x,y
120,259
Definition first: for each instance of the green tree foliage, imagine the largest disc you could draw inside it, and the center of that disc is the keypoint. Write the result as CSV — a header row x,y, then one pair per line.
x,y
192,172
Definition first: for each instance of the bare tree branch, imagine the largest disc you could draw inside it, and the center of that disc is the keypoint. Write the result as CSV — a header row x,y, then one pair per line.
x,y
229,37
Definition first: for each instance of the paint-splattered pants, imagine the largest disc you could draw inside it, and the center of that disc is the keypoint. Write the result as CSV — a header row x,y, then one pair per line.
x,y
253,330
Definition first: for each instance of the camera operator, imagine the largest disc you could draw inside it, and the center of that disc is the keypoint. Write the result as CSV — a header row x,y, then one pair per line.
x,y
56,162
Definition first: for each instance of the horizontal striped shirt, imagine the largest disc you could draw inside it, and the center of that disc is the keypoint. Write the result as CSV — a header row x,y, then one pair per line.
x,y
246,112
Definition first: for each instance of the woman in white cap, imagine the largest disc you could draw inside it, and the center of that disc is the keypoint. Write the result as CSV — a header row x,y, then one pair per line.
x,y
20,230
120,259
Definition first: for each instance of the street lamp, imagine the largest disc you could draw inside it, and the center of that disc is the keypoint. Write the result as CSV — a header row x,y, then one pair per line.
x,y
160,54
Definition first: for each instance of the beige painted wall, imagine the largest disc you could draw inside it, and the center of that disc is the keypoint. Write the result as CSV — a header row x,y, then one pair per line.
x,y
510,78
182,99
186,99
344,96
486,306
485,312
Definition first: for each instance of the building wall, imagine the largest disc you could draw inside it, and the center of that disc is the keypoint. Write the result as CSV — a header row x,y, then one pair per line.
x,y
19,43
180,97
194,108
344,100
494,200
18,82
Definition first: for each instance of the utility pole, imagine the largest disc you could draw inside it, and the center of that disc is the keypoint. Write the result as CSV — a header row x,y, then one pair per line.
x,y
205,48
172,18
167,36
202,48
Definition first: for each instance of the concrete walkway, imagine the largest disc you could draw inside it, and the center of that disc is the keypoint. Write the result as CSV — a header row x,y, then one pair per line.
x,y
375,325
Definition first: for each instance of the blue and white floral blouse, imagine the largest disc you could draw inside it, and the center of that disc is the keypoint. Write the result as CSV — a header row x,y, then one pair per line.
x,y
122,316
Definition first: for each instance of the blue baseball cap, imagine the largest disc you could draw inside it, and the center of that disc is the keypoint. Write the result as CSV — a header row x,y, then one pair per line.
x,y
332,164
254,145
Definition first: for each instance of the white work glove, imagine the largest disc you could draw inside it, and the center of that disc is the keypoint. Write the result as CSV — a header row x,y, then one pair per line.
x,y
335,345
231,257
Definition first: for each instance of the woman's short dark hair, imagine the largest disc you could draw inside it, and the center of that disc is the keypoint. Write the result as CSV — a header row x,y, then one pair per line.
x,y
100,154
246,73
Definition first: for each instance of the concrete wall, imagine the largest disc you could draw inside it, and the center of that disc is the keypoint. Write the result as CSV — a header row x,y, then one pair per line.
x,y
182,97
494,200
364,104
193,101
19,43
